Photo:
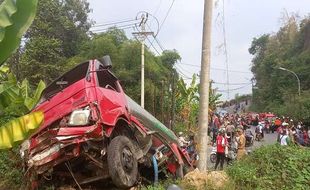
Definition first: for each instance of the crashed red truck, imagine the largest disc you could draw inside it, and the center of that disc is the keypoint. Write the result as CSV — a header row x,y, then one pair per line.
x,y
93,131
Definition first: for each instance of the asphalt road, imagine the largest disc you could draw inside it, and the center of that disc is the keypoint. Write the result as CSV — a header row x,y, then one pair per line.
x,y
268,139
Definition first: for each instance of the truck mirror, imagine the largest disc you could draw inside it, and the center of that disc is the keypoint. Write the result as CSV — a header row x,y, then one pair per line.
x,y
106,62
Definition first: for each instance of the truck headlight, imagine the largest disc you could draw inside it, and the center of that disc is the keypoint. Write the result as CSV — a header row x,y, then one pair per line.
x,y
79,117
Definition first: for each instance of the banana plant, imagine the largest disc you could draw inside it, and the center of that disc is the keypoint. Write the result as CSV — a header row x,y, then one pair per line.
x,y
15,18
16,99
19,95
19,129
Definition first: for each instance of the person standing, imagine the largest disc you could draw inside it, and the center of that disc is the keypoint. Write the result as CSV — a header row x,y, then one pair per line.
x,y
284,139
221,143
241,144
230,128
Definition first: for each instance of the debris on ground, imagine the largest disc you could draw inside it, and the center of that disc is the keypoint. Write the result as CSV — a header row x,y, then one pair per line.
x,y
200,180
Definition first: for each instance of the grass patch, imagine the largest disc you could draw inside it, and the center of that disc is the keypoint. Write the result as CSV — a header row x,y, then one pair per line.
x,y
11,174
273,167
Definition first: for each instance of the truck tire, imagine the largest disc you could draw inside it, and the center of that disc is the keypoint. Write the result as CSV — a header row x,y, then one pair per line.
x,y
122,163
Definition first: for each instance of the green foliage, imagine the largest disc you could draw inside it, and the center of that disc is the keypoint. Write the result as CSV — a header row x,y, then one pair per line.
x,y
57,33
17,99
10,172
273,167
15,19
187,104
277,90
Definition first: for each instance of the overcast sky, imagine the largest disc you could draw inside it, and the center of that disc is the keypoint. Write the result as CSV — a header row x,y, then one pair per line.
x,y
182,30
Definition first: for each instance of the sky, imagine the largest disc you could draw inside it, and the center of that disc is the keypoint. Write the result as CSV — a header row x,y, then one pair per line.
x,y
242,20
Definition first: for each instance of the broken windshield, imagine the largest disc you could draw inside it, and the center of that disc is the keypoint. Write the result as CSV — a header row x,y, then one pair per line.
x,y
67,79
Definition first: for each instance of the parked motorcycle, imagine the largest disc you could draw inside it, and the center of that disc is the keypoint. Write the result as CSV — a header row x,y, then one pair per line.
x,y
213,155
231,156
249,137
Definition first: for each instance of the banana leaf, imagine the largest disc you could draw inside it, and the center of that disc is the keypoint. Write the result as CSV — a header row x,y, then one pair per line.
x,y
19,129
30,102
15,18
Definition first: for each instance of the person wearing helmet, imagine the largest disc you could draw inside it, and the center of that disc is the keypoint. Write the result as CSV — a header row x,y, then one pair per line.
x,y
221,143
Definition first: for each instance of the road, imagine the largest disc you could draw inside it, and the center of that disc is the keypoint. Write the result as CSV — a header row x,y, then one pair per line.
x,y
268,139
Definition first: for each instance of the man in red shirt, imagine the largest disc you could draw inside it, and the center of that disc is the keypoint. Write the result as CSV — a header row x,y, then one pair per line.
x,y
221,143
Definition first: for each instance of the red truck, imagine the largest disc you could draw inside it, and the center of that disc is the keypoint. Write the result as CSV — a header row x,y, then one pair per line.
x,y
93,131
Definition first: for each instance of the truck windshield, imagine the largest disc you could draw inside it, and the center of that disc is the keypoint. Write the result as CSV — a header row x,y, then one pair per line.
x,y
67,79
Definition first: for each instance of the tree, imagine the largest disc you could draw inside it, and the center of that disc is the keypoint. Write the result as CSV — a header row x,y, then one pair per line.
x,y
57,33
125,55
276,90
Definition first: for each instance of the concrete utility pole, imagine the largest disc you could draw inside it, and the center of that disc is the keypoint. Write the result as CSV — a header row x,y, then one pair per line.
x,y
204,85
142,35
172,101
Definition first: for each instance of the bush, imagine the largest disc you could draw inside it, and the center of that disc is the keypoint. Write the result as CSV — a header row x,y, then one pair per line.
x,y
273,167
11,173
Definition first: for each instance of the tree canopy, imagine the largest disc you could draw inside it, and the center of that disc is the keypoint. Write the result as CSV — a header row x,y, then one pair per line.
x,y
277,90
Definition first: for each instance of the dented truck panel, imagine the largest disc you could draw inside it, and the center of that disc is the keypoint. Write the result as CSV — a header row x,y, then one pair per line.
x,y
82,109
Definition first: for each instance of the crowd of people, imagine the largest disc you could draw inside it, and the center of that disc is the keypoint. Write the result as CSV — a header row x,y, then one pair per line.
x,y
228,134
232,132
290,132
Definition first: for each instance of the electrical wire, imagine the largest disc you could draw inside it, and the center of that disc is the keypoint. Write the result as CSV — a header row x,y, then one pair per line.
x,y
115,22
119,27
157,8
235,88
213,68
230,83
151,45
225,49
155,39
160,27
182,74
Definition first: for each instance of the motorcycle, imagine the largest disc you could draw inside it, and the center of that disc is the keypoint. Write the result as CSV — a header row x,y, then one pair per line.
x,y
231,156
213,155
258,137
249,137
192,152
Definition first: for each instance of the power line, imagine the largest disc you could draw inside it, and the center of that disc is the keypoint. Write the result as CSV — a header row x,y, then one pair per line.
x,y
151,45
159,44
160,27
157,8
230,83
155,39
213,68
225,48
115,22
180,72
183,69
235,88
119,27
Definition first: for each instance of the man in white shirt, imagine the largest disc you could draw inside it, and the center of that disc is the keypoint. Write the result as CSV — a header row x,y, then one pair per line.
x,y
284,139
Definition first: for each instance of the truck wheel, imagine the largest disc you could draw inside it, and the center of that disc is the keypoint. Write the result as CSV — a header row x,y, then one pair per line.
x,y
122,163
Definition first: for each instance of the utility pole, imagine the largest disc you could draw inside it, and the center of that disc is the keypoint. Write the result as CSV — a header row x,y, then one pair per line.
x,y
162,101
172,100
204,84
141,36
